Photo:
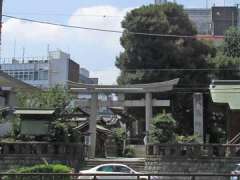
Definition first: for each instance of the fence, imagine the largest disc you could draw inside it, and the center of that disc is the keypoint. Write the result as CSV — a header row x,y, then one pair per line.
x,y
194,150
44,176
46,149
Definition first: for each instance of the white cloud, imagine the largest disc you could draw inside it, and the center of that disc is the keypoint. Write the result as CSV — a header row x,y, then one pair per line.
x,y
111,20
28,31
107,76
103,46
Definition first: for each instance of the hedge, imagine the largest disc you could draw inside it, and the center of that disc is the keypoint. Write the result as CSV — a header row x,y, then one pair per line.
x,y
41,168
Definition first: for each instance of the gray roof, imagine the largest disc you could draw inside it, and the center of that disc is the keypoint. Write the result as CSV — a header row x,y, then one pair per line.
x,y
226,92
8,81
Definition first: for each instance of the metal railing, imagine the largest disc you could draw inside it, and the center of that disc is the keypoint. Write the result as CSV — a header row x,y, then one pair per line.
x,y
46,176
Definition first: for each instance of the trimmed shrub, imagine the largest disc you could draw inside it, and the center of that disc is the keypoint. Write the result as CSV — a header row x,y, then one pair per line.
x,y
41,168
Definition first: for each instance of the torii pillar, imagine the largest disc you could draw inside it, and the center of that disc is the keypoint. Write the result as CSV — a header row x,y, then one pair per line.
x,y
148,113
92,124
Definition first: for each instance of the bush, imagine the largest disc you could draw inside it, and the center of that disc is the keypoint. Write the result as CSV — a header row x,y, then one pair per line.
x,y
42,168
163,129
129,152
187,139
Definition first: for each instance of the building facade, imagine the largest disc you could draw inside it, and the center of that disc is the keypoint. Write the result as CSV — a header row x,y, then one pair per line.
x,y
213,21
84,77
57,69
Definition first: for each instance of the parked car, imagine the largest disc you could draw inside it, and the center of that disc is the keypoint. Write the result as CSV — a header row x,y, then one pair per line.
x,y
111,169
235,171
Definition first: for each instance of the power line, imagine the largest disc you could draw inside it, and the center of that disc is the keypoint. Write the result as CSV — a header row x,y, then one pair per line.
x,y
67,15
101,30
173,69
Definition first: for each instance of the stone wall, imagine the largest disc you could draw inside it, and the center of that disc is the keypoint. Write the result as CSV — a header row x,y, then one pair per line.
x,y
158,165
192,158
27,154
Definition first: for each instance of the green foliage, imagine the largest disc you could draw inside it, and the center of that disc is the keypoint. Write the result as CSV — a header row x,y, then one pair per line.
x,y
63,132
163,129
143,54
232,42
222,61
56,97
186,139
119,136
42,168
129,152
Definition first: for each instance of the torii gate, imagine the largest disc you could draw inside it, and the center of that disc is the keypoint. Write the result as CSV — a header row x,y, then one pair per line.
x,y
148,102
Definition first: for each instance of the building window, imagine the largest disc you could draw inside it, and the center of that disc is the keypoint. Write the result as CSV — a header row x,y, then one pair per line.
x,y
36,75
31,76
43,75
21,75
26,76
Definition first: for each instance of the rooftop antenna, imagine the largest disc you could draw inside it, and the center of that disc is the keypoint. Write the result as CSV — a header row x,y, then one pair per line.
x,y
23,55
48,50
14,49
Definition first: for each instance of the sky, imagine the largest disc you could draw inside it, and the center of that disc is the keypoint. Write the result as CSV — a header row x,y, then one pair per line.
x,y
93,50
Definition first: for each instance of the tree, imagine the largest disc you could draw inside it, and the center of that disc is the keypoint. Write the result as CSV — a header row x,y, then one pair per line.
x,y
228,56
163,129
232,42
143,56
57,98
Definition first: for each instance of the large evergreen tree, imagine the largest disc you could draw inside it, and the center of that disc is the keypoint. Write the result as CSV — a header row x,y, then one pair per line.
x,y
144,56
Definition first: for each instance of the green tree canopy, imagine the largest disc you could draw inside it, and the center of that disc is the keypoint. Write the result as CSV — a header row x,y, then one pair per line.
x,y
228,56
144,57
163,129
150,52
232,42
56,97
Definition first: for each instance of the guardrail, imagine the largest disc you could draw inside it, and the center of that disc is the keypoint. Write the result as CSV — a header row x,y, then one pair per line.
x,y
46,176
194,150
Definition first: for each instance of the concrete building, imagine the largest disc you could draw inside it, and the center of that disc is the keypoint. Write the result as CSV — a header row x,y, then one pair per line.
x,y
57,69
213,21
201,18
160,1
84,77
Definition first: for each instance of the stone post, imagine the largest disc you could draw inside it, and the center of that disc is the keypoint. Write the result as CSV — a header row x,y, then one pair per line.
x,y
148,111
93,123
198,116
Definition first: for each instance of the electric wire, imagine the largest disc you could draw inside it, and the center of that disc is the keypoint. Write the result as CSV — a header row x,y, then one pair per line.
x,y
99,29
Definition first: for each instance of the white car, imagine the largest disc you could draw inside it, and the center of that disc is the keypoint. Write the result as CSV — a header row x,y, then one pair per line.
x,y
111,169
236,171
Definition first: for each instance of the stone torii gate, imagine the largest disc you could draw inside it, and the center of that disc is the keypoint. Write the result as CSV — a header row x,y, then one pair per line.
x,y
148,102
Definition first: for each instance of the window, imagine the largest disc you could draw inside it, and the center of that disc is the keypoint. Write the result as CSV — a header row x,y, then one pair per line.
x,y
43,75
105,169
31,75
36,75
122,169
26,76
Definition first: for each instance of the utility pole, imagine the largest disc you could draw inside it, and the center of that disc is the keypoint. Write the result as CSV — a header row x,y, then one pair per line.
x,y
1,9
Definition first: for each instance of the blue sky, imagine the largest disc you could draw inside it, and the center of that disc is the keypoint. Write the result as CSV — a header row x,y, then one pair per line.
x,y
94,50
